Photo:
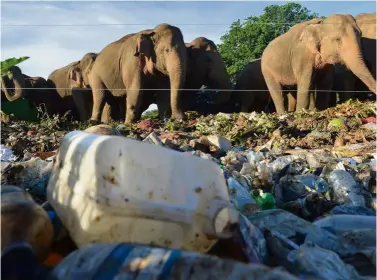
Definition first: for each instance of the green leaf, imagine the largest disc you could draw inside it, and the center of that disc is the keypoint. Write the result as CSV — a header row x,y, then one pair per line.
x,y
8,63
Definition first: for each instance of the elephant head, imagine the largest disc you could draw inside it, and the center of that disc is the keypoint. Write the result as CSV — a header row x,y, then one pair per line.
x,y
13,83
336,39
163,49
85,65
206,67
78,71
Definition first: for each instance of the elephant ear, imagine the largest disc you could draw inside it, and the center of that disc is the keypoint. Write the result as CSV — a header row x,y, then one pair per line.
x,y
75,75
310,36
144,49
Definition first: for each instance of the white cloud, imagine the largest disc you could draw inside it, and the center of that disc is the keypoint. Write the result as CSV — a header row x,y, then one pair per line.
x,y
51,47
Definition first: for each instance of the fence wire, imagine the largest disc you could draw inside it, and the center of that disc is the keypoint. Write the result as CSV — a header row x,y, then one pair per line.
x,y
154,24
198,90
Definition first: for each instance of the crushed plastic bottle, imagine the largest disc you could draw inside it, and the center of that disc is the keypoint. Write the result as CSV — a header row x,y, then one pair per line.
x,y
338,224
115,261
254,157
314,183
345,189
241,197
321,263
298,230
24,220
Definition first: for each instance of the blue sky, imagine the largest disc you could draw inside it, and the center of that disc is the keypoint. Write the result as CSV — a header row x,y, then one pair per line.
x,y
51,47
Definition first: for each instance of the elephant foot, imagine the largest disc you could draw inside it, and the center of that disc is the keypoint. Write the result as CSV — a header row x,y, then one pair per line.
x,y
94,122
178,116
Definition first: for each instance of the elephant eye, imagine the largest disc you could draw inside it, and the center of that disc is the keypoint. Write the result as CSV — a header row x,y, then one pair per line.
x,y
167,50
337,39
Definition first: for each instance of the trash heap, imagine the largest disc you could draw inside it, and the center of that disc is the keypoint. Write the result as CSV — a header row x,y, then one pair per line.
x,y
304,185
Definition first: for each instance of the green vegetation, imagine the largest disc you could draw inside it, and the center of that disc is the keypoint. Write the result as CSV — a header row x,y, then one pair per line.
x,y
8,63
246,41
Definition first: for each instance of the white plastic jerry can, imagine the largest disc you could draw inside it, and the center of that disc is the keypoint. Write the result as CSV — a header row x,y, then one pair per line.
x,y
109,189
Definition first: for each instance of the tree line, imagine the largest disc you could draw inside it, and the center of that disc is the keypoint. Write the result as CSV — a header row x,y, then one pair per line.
x,y
246,41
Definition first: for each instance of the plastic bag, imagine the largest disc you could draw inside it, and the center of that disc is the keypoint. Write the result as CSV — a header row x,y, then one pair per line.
x,y
352,210
321,263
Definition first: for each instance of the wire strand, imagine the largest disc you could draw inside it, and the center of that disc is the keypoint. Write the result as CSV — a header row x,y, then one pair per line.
x,y
198,90
154,24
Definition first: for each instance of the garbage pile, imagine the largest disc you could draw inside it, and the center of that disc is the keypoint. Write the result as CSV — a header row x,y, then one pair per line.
x,y
226,196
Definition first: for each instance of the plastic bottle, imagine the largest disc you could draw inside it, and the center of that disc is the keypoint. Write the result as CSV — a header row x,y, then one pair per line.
x,y
24,220
125,261
114,189
241,197
342,223
345,189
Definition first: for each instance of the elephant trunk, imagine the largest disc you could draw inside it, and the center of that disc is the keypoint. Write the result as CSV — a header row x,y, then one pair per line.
x,y
176,67
17,91
353,58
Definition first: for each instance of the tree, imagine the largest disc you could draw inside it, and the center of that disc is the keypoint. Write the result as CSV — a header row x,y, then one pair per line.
x,y
246,41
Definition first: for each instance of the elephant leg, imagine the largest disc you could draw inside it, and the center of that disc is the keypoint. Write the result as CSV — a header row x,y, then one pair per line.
x,y
80,98
134,97
291,102
248,98
98,89
303,91
163,104
106,114
324,83
349,81
276,93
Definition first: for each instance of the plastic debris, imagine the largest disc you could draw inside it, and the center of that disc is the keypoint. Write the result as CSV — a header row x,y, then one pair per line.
x,y
124,260
7,154
321,263
241,197
305,184
345,189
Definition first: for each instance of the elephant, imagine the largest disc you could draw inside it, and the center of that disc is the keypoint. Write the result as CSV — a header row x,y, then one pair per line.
x,y
305,56
251,78
205,66
15,85
135,63
71,83
350,83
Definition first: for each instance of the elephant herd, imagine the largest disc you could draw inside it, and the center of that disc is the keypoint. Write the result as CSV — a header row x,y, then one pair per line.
x,y
303,68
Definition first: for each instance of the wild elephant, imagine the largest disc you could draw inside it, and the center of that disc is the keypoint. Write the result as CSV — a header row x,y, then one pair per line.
x,y
205,66
134,63
251,89
349,82
305,55
71,83
15,85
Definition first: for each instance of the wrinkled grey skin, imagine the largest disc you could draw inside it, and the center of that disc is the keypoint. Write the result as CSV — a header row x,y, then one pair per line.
x,y
71,83
305,55
136,62
346,80
205,66
17,85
